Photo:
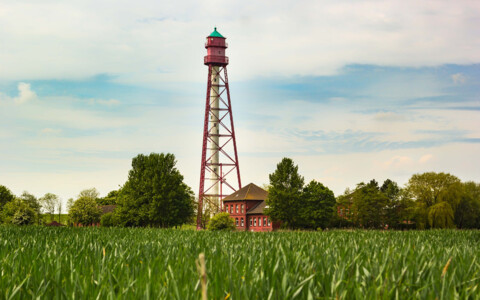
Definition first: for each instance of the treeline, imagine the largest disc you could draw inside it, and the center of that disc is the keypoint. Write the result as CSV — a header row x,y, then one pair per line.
x,y
428,200
154,195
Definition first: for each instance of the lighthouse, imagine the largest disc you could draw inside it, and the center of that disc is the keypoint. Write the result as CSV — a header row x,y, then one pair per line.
x,y
219,171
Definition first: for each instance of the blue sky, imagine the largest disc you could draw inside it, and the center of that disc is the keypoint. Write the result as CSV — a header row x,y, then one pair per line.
x,y
351,91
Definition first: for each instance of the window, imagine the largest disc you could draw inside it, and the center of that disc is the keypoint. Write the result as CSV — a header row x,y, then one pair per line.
x,y
236,222
231,209
236,208
264,221
242,208
259,221
251,222
241,222
268,222
254,221
226,208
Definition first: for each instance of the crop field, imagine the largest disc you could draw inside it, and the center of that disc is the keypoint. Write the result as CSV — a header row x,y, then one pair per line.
x,y
118,263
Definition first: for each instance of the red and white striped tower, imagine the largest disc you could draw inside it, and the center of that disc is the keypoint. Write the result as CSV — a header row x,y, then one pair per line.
x,y
219,151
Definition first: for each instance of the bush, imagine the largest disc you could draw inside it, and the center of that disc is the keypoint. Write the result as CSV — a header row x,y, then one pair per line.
x,y
85,211
18,212
221,221
107,220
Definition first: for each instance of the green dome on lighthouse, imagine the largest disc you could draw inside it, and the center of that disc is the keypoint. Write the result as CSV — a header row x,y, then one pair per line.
x,y
215,33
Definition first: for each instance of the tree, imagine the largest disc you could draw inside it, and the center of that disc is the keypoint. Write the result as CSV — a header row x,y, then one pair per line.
x,y
317,206
85,211
18,212
221,221
5,196
440,215
428,189
89,193
107,220
49,201
285,194
467,214
70,204
369,205
33,203
154,194
59,208
110,199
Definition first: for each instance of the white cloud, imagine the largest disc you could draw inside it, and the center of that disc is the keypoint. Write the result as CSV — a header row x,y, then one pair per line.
x,y
150,41
25,94
458,78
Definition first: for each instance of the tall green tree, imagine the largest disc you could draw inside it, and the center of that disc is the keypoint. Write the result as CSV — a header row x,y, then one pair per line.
x,y
85,211
285,194
369,205
429,189
110,199
441,215
154,194
33,203
467,213
317,206
5,196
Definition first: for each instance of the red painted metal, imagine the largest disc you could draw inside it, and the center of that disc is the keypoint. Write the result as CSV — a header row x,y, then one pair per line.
x,y
228,162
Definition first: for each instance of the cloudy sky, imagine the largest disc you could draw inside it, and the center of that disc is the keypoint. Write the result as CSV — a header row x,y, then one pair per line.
x,y
351,90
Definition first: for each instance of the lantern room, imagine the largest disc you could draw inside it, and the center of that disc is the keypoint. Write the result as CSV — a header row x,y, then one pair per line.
x,y
216,46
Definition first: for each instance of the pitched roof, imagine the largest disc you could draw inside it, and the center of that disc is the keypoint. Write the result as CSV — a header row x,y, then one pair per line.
x,y
248,192
107,208
257,209
215,33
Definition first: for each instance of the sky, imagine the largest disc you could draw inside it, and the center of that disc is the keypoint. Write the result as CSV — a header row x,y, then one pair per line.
x,y
350,90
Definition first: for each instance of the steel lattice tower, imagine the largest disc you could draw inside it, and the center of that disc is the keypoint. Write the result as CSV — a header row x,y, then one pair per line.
x,y
219,150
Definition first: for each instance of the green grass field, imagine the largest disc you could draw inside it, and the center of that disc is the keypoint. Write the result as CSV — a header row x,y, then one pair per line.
x,y
113,263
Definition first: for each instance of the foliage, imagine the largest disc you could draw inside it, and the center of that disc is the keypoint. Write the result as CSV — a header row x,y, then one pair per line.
x,y
428,187
5,196
34,204
91,193
467,214
369,205
107,220
18,212
317,206
49,202
110,199
285,194
85,211
155,194
440,215
138,263
70,202
221,221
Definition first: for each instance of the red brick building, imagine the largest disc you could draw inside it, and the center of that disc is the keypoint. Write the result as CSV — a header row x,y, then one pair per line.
x,y
246,206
